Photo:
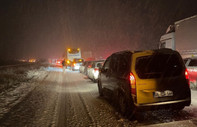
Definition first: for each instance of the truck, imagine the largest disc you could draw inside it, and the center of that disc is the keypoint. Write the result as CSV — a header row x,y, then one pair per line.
x,y
73,53
181,36
73,60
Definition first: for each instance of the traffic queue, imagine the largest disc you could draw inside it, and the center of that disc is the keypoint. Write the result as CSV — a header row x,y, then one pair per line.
x,y
91,69
149,79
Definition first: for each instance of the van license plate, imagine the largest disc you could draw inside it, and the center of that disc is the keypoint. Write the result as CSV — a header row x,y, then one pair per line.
x,y
166,93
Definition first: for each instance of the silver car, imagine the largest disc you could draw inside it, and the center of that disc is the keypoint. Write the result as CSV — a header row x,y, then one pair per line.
x,y
93,70
82,67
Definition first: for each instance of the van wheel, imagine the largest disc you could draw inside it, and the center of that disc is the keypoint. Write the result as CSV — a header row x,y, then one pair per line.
x,y
122,104
126,106
100,89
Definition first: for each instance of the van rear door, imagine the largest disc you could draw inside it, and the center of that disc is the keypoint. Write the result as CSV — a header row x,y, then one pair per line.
x,y
160,77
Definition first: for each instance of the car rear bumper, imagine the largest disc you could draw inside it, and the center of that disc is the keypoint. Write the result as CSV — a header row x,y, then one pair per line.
x,y
163,105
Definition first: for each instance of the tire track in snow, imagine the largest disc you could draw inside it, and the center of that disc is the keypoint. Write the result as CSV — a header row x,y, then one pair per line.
x,y
38,106
76,107
100,111
65,115
16,96
93,123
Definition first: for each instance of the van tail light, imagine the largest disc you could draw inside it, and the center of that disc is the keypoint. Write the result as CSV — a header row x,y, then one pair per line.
x,y
132,83
187,76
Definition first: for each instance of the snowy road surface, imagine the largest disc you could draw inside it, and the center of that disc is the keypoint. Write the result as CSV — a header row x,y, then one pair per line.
x,y
70,99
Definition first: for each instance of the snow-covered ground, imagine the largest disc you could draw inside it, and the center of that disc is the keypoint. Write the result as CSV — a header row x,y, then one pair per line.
x,y
47,96
16,83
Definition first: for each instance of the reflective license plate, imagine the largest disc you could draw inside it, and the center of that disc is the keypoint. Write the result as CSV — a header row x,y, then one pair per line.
x,y
166,93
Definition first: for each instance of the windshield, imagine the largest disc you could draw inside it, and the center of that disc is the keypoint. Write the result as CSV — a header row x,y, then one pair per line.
x,y
100,64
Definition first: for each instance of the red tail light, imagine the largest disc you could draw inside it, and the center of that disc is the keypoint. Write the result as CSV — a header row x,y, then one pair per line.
x,y
89,66
132,83
187,76
96,69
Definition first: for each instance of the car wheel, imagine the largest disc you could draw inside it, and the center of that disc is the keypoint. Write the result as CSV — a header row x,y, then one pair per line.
x,y
122,104
100,89
94,80
125,105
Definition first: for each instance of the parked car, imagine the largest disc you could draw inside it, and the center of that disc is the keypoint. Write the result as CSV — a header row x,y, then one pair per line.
x,y
77,62
191,65
58,62
93,71
87,65
81,68
145,80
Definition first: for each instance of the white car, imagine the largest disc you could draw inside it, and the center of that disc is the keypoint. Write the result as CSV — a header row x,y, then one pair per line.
x,y
82,67
93,70
77,62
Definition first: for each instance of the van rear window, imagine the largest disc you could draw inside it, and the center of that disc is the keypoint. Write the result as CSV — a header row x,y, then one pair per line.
x,y
158,65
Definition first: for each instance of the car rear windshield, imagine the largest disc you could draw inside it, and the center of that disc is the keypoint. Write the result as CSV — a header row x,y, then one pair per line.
x,y
158,65
100,64
193,62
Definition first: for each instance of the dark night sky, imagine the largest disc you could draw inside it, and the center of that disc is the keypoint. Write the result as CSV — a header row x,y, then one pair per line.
x,y
45,28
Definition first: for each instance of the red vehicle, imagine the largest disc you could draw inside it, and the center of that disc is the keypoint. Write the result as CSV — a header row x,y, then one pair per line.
x,y
58,62
191,64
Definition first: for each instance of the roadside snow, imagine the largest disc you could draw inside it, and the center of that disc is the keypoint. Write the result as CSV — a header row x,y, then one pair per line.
x,y
13,90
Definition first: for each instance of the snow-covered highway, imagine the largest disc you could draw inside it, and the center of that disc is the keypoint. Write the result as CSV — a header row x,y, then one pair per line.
x,y
49,97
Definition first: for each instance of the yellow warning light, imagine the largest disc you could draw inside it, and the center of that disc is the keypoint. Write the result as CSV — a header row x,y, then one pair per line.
x,y
68,61
69,50
78,49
